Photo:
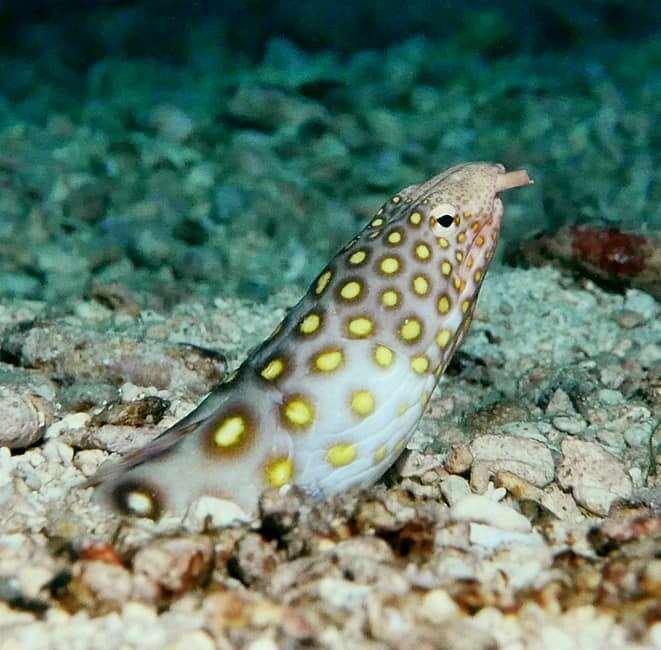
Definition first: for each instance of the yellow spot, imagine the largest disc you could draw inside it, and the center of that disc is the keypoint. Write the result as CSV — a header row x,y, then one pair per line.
x,y
351,290
390,265
443,338
401,445
379,211
461,237
390,298
475,226
443,305
322,282
403,407
443,243
341,455
383,356
410,329
459,255
299,412
457,220
310,324
415,218
273,369
358,257
480,241
469,261
396,199
377,222
395,237
457,281
478,275
494,235
230,432
420,285
422,252
279,471
420,364
446,268
465,306
328,361
374,235
139,503
467,214
360,327
380,453
362,402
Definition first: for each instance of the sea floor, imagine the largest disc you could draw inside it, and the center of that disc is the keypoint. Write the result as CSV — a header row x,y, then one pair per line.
x,y
525,513
158,218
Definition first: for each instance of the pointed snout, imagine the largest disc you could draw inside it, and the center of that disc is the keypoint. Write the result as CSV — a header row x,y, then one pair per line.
x,y
510,180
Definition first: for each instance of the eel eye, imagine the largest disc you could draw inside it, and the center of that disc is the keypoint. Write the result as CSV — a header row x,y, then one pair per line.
x,y
442,217
445,220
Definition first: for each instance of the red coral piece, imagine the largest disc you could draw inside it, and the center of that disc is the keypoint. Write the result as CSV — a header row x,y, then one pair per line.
x,y
611,250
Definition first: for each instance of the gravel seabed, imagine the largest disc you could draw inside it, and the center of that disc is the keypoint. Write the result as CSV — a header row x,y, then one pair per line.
x,y
525,513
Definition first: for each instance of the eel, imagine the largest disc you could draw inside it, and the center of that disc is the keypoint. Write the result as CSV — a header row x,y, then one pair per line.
x,y
331,398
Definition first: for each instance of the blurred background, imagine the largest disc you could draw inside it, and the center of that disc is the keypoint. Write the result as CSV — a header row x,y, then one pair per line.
x,y
179,149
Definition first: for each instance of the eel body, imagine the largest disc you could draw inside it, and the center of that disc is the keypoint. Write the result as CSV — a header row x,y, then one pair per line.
x,y
330,400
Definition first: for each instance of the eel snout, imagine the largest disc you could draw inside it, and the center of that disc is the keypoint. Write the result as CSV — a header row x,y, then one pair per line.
x,y
510,180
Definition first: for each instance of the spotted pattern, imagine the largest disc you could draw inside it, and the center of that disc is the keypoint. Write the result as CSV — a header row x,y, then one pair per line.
x,y
390,265
322,282
137,498
358,258
360,327
390,298
332,397
279,471
351,290
362,403
410,330
310,324
383,356
297,412
341,455
329,360
273,369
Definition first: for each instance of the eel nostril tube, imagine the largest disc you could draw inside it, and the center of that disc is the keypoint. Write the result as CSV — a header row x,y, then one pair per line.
x,y
510,180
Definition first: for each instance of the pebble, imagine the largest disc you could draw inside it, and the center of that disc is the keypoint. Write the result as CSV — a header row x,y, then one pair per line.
x,y
198,640
172,123
571,424
559,404
25,417
88,460
609,397
492,537
559,503
642,303
176,564
438,606
208,511
529,459
343,594
628,319
454,488
482,509
459,460
595,477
